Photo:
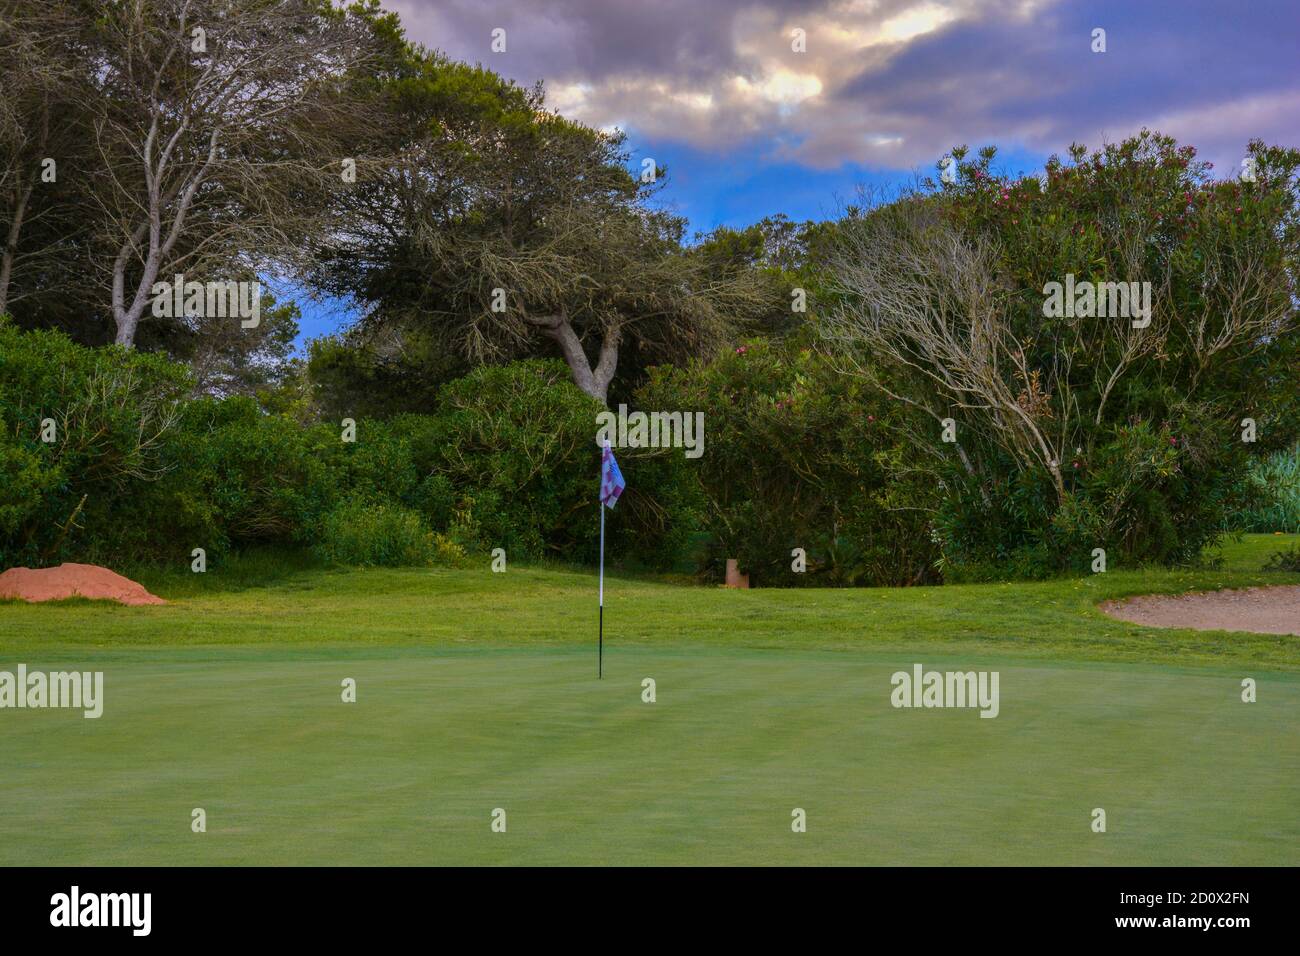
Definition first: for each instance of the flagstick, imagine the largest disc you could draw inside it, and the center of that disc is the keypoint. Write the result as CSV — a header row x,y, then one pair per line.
x,y
600,661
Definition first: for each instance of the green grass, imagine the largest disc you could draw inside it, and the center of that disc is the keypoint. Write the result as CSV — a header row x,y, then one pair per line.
x,y
477,690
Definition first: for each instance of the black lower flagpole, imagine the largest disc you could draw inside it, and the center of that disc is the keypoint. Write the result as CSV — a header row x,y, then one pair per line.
x,y
600,665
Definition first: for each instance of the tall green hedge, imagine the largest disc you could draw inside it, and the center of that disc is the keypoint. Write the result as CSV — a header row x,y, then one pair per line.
x,y
135,471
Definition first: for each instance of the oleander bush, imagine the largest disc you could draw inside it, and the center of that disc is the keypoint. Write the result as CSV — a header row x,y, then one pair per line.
x,y
1076,430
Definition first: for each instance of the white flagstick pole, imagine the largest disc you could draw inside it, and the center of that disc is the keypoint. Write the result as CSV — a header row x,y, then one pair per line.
x,y
600,659
600,665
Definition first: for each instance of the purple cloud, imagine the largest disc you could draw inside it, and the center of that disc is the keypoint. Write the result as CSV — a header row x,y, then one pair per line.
x,y
892,83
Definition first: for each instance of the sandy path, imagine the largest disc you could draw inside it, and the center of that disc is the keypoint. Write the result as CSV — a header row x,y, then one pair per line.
x,y
1272,610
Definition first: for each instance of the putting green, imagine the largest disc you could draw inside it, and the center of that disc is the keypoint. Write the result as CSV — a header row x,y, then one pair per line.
x,y
588,773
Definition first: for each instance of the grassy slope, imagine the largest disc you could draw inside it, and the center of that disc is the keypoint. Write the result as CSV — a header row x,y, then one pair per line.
x,y
476,691
260,604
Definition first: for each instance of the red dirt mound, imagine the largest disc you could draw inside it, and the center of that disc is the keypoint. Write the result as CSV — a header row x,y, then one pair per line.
x,y
73,580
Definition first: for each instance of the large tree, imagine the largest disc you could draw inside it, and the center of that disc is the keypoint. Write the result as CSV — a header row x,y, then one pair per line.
x,y
503,230
215,122
42,144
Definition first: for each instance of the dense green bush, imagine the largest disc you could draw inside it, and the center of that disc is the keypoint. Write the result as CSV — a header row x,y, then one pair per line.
x,y
1272,493
238,477
1154,491
368,533
799,456
507,460
510,461
112,413
516,444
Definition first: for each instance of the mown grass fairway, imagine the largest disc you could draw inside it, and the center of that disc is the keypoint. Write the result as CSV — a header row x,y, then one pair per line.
x,y
478,691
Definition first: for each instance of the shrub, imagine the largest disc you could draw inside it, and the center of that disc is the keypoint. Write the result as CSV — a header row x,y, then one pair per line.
x,y
1272,488
238,476
113,411
136,472
1286,560
370,534
798,456
516,442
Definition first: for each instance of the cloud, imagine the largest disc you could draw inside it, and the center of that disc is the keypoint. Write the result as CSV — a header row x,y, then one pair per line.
x,y
891,83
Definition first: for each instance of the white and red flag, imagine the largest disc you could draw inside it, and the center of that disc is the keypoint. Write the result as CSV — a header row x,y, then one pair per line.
x,y
611,479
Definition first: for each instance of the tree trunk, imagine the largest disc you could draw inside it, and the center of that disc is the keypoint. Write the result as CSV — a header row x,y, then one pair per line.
x,y
11,245
20,212
593,381
160,246
128,319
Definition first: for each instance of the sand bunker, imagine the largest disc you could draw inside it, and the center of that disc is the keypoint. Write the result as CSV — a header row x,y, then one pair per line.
x,y
73,580
1273,610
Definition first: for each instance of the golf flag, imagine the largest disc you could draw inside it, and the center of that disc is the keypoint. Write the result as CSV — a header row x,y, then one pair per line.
x,y
611,479
611,486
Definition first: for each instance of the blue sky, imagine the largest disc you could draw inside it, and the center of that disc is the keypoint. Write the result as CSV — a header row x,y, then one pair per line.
x,y
764,106
711,194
